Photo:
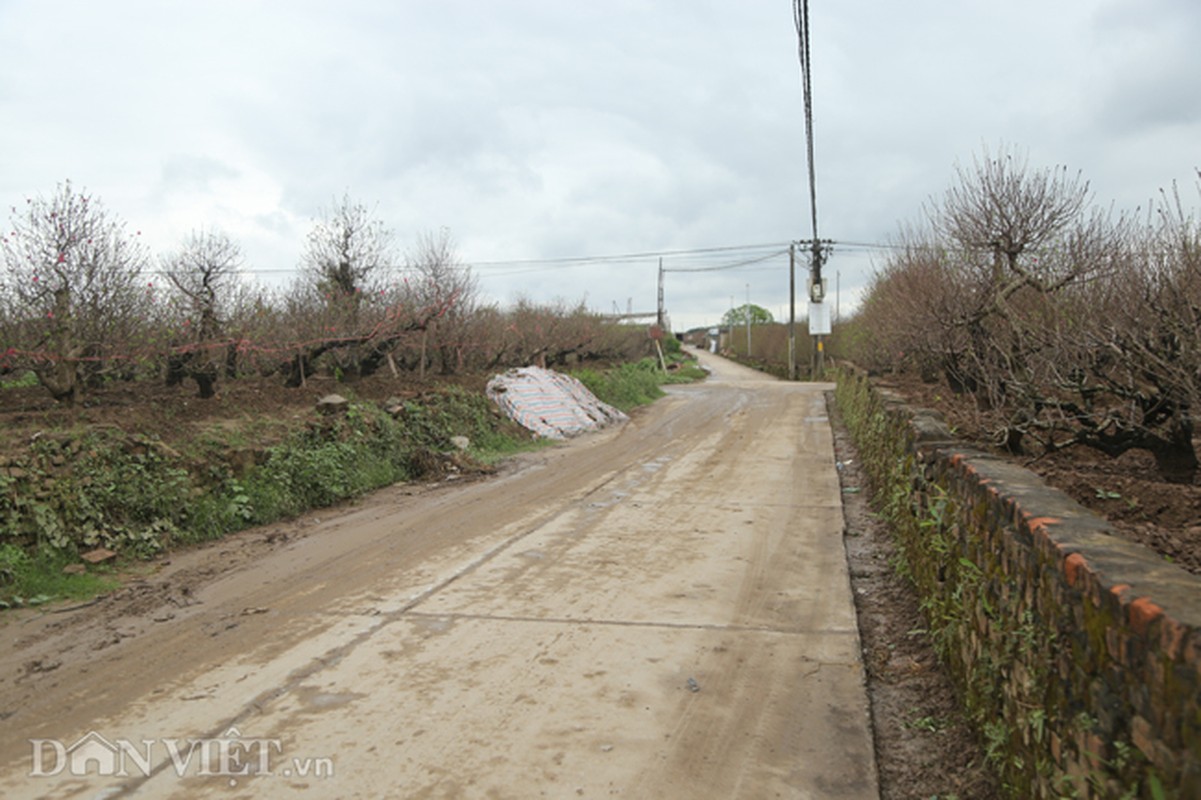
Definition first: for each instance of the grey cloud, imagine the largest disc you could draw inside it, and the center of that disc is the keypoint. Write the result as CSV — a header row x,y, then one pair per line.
x,y
193,173
540,128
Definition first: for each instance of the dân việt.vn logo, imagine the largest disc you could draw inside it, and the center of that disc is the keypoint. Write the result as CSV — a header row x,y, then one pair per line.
x,y
229,755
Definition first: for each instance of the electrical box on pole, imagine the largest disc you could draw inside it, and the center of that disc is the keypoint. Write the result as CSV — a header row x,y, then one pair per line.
x,y
817,291
819,319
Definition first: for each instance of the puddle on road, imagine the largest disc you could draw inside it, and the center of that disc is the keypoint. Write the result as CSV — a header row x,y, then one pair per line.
x,y
313,699
433,624
619,495
657,464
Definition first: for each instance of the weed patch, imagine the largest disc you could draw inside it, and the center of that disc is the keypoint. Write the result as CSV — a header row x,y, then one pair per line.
x,y
76,491
638,383
626,386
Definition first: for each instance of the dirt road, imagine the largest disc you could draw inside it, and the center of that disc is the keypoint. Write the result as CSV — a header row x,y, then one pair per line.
x,y
657,611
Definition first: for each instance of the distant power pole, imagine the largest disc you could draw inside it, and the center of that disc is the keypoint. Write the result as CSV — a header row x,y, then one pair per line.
x,y
659,318
792,312
748,320
730,344
837,292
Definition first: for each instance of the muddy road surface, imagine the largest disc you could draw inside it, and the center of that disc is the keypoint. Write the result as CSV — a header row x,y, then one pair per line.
x,y
657,611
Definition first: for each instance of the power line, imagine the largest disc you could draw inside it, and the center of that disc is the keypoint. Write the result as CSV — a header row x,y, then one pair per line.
x,y
548,264
528,265
844,246
800,18
626,256
800,15
734,265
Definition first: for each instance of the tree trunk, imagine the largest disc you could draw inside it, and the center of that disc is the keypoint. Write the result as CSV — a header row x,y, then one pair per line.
x,y
1175,457
231,360
207,382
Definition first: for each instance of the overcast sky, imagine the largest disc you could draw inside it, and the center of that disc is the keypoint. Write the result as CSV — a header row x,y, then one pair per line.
x,y
552,129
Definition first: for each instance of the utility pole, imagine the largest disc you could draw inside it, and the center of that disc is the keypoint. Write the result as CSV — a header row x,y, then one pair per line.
x,y
791,312
817,289
748,321
837,292
730,332
659,316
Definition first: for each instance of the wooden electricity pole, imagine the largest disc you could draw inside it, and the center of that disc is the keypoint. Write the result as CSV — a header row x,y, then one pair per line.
x,y
792,312
748,322
660,315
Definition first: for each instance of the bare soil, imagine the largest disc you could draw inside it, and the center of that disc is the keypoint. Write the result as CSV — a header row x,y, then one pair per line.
x,y
1126,491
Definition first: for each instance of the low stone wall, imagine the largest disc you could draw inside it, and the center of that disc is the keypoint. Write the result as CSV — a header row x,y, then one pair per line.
x,y
1077,653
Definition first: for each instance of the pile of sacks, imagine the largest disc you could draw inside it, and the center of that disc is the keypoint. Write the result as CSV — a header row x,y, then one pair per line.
x,y
550,404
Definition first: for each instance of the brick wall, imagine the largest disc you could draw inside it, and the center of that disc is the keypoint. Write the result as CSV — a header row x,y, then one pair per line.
x,y
1077,653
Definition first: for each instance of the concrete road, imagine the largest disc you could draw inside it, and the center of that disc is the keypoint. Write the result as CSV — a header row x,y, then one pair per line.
x,y
658,611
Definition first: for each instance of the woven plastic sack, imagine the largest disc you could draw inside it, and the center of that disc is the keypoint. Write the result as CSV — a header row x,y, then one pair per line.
x,y
549,403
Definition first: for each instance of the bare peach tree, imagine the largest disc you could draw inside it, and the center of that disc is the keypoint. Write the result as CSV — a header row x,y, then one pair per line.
x,y
204,274
911,317
348,251
1068,324
439,283
1013,235
74,289
1126,370
345,266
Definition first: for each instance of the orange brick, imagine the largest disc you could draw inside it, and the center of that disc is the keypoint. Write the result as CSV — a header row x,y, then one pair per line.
x,y
1171,637
1074,569
1143,612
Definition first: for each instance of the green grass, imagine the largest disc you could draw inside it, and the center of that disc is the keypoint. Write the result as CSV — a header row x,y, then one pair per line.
x,y
626,386
688,373
31,580
494,455
25,380
638,383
